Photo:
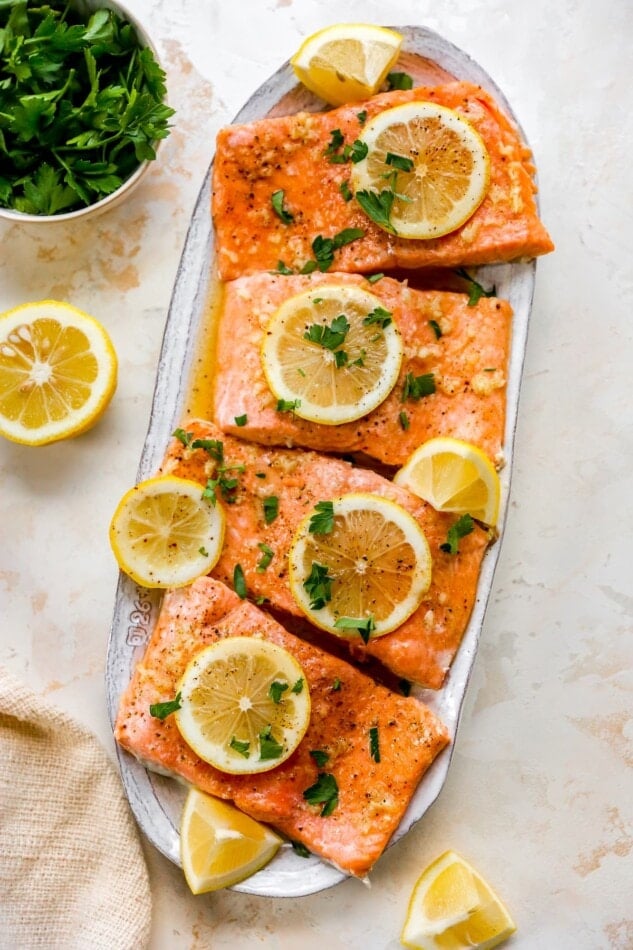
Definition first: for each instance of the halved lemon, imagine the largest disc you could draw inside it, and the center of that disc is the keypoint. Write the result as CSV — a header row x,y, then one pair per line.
x,y
373,566
245,705
58,372
426,165
220,845
346,62
452,907
453,475
165,534
327,381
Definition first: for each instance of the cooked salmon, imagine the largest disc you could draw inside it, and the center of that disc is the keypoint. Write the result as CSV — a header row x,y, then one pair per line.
x,y
288,153
468,362
346,704
421,650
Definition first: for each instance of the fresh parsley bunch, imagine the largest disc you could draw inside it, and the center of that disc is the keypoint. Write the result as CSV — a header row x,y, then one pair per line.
x,y
81,105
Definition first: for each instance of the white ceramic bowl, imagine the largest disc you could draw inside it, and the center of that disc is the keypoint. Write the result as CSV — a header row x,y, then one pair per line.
x,y
128,186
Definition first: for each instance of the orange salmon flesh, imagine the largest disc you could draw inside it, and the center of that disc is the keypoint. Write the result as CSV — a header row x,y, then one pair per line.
x,y
422,648
468,362
372,796
287,153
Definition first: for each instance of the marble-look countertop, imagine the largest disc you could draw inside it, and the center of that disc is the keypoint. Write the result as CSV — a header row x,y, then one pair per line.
x,y
539,792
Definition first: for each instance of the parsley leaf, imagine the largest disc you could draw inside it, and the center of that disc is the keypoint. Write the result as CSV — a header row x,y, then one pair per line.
x,y
379,316
415,387
336,141
182,436
321,758
276,691
328,337
362,116
239,581
269,748
318,585
399,161
298,686
374,278
300,849
345,190
476,291
437,330
324,248
403,419
203,551
271,508
399,81
241,747
288,405
241,420
267,556
322,522
277,201
377,206
364,625
283,269
336,685
324,792
214,447
162,710
456,532
374,744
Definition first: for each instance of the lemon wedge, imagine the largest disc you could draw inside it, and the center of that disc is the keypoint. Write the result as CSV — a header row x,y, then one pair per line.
x,y
220,845
455,476
426,171
452,907
332,353
244,705
165,534
58,372
346,62
359,566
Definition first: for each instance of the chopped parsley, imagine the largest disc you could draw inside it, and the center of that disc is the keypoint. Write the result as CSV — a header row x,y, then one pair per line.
x,y
374,744
337,153
283,269
300,849
400,162
456,532
336,685
288,405
322,521
239,746
277,201
267,556
378,316
476,291
336,142
239,581
184,437
214,447
345,190
260,474
364,625
437,330
398,80
415,387
276,691
377,206
328,337
318,585
241,420
162,710
203,551
362,116
324,792
271,508
374,278
403,419
325,248
228,486
269,748
298,686
321,758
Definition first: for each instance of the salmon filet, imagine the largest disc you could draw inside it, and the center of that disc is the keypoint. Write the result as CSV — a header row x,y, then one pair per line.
x,y
468,362
422,648
346,704
287,153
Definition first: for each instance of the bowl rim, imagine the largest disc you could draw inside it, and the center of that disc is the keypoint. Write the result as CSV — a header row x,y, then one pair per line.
x,y
21,217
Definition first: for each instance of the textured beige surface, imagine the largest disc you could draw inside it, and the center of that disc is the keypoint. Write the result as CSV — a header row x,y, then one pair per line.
x,y
539,793
72,872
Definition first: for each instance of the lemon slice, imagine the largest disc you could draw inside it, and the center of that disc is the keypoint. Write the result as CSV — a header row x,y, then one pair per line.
x,y
452,907
164,534
373,566
453,475
58,371
220,845
346,62
324,380
426,166
245,705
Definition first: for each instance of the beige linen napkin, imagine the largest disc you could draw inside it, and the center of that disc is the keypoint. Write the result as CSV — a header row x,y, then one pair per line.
x,y
72,872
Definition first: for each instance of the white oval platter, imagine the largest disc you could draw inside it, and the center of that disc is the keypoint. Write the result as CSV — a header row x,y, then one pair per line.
x,y
157,800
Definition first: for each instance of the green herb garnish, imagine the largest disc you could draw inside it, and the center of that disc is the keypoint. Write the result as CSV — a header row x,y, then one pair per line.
x,y
271,508
322,522
378,316
415,387
362,116
239,581
269,748
277,201
300,849
318,585
374,278
336,685
364,625
321,758
476,291
456,532
81,106
437,330
241,747
403,419
399,81
276,691
377,206
374,744
288,405
241,420
162,710
283,269
324,248
345,190
324,792
184,437
399,161
203,551
214,447
298,686
330,337
267,556
336,141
